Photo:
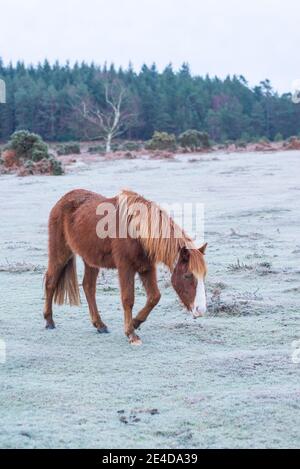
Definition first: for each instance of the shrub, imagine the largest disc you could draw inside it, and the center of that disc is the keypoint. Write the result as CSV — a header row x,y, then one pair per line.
x,y
72,148
115,147
245,137
264,140
278,137
162,141
97,149
30,153
29,164
28,146
56,166
131,146
39,151
193,139
254,139
241,144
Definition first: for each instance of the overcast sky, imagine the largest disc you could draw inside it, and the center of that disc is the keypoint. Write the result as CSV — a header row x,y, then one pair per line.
x,y
256,38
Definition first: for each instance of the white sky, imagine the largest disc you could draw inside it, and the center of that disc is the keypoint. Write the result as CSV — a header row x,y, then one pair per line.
x,y
256,38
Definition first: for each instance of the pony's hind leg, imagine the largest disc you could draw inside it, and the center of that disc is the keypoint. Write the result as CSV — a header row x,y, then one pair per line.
x,y
59,254
51,280
89,286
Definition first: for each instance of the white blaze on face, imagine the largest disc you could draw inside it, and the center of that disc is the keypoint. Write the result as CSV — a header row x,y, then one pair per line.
x,y
199,308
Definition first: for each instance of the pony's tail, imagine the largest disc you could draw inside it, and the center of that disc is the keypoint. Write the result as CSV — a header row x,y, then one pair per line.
x,y
67,288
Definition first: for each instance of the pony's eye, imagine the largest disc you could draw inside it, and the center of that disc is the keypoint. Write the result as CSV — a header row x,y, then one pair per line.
x,y
188,276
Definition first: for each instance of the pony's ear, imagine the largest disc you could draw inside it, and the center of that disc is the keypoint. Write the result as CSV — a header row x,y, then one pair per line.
x,y
184,254
203,249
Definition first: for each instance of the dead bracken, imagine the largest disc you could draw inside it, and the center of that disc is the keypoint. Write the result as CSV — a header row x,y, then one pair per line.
x,y
261,268
135,414
239,266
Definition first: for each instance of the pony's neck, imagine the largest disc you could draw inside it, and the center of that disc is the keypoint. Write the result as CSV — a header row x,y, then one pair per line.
x,y
166,250
159,235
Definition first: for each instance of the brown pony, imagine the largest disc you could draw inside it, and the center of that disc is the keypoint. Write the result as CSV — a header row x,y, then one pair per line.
x,y
76,226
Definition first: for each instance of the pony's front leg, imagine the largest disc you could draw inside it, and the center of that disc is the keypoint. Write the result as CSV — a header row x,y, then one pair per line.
x,y
126,277
89,286
149,281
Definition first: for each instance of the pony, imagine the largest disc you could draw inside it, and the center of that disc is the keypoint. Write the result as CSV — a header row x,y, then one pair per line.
x,y
127,233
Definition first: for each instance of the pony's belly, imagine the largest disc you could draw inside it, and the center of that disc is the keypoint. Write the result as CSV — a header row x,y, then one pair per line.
x,y
103,260
107,262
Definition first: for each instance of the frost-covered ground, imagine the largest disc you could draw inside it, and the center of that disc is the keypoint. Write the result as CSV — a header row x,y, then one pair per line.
x,y
228,380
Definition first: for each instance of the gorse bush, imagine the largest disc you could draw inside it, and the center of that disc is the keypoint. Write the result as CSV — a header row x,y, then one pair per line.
x,y
29,152
264,139
121,146
278,137
115,147
68,149
28,146
56,166
39,152
131,146
162,141
194,140
97,149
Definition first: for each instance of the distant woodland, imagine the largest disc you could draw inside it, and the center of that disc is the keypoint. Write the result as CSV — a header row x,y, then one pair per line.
x,y
64,102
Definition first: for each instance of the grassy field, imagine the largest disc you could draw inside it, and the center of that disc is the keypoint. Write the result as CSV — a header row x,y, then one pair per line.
x,y
227,380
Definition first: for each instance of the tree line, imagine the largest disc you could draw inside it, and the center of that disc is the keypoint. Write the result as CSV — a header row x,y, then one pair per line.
x,y
47,99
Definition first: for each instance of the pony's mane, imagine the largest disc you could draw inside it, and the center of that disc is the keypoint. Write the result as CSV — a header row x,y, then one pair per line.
x,y
160,248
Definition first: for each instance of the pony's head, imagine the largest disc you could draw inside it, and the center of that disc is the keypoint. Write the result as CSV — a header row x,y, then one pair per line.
x,y
188,279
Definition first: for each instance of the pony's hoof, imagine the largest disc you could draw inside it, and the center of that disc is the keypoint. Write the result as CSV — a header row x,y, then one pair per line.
x,y
50,326
135,340
103,330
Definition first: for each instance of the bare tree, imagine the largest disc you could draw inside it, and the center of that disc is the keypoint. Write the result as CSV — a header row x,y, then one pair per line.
x,y
115,118
2,92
